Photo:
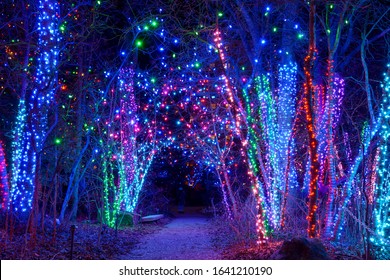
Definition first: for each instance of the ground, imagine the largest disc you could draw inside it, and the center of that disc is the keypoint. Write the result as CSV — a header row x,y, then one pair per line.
x,y
187,237
92,241
181,236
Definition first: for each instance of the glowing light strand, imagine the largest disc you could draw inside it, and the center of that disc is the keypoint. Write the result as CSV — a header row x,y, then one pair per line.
x,y
236,106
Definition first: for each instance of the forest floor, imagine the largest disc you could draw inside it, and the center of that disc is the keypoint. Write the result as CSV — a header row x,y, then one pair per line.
x,y
182,236
91,242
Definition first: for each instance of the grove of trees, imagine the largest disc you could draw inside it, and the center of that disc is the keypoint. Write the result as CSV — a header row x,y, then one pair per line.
x,y
285,103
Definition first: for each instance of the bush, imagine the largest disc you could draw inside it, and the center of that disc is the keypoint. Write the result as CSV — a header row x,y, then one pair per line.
x,y
125,219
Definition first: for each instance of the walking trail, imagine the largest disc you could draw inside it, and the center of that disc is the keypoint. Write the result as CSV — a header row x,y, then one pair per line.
x,y
187,237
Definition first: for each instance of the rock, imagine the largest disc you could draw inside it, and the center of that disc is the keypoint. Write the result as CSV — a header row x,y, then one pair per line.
x,y
301,249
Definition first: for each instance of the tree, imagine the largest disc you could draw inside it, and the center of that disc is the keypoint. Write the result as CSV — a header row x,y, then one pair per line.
x,y
32,121
382,190
129,144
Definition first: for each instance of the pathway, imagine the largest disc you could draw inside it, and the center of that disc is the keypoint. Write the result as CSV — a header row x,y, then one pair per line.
x,y
187,237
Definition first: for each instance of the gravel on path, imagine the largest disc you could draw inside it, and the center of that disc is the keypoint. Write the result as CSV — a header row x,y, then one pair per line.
x,y
187,237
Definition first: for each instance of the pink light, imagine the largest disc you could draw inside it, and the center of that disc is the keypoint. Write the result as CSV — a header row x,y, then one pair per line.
x,y
4,183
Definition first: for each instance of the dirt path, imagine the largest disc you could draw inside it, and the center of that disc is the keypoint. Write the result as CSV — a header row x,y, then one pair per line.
x,y
187,237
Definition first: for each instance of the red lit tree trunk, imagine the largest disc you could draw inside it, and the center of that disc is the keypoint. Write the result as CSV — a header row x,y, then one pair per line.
x,y
309,113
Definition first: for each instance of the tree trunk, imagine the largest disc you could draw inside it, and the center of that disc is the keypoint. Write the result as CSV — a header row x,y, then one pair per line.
x,y
309,113
330,151
79,133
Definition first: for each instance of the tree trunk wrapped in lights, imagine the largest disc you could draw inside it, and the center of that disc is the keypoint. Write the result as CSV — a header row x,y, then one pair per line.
x,y
127,150
263,122
118,145
382,190
270,139
253,154
286,143
309,91
327,149
31,123
334,97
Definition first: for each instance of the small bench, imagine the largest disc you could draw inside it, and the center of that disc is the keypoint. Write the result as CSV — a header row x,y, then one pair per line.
x,y
152,218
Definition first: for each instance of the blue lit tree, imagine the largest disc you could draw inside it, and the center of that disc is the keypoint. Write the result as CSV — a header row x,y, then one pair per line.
x,y
382,189
31,126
